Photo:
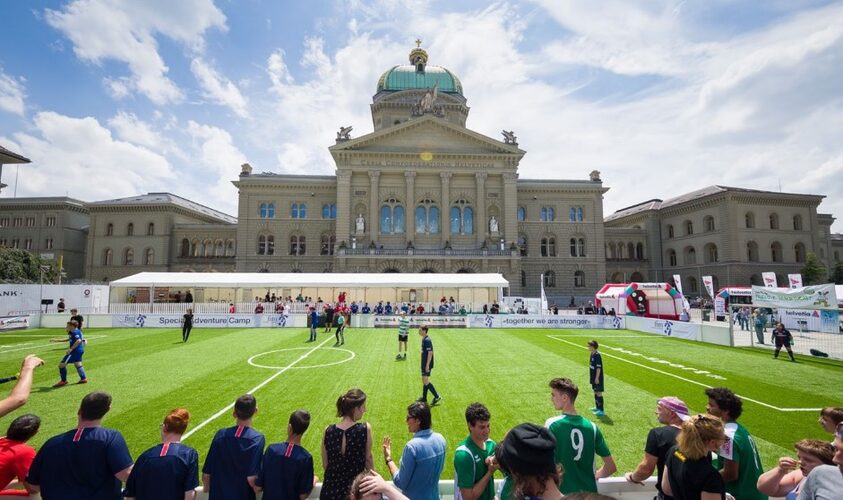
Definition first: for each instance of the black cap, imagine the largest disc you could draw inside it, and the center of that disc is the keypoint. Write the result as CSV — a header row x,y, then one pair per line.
x,y
529,449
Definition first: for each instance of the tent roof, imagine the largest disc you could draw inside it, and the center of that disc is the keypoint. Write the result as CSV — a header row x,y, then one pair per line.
x,y
327,280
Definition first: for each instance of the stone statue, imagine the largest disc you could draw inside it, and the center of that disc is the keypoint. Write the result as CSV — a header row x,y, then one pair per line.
x,y
594,176
344,134
360,223
493,225
426,103
509,137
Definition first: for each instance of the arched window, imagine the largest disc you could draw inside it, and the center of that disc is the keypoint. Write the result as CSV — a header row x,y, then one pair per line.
x,y
630,251
297,244
797,222
462,218
708,224
208,247
547,214
774,221
522,245
427,217
128,257
710,253
579,279
109,229
690,255
636,277
107,257
219,248
573,243
194,248
693,287
130,229
523,279
752,251
229,248
671,258
581,247
298,211
776,251
620,248
149,257
329,211
150,229
689,228
522,214
639,251
799,252
749,220
549,279
326,244
185,248
266,244
548,247
392,217
610,251
670,231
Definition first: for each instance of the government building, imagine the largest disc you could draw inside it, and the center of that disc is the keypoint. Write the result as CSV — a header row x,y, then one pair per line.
x,y
422,193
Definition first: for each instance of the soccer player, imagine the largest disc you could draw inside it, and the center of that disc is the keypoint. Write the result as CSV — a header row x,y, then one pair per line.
x,y
403,335
234,459
87,462
474,470
340,322
187,325
595,377
314,321
427,366
578,441
287,471
15,455
739,462
782,338
423,457
167,470
329,317
73,355
670,412
78,318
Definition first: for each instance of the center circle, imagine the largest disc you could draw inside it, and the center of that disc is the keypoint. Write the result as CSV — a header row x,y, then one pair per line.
x,y
252,362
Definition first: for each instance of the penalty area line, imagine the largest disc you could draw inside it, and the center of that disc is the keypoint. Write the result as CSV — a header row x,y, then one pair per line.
x,y
253,390
686,379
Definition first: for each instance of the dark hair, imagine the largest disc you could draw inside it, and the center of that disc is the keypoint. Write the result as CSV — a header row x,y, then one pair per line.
x,y
593,343
565,386
726,400
95,405
835,414
245,407
477,412
421,412
423,328
24,427
348,402
587,495
299,421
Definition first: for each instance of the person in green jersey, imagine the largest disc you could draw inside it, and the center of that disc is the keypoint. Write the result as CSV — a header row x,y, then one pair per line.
x,y
578,441
474,466
403,334
738,459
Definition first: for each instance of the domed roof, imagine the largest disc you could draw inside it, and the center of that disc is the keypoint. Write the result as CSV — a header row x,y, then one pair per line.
x,y
419,75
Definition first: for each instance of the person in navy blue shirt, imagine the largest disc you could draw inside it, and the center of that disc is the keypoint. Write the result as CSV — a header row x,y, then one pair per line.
x,y
287,470
234,459
379,308
75,350
366,309
314,320
354,308
88,462
168,471
427,367
388,308
595,377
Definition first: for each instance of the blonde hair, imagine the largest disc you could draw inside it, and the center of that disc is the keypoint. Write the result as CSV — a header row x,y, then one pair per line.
x,y
695,434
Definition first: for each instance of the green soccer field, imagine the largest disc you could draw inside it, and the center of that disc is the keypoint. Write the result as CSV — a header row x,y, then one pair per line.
x,y
150,371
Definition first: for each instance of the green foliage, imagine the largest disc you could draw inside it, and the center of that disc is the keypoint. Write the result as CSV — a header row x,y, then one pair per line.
x,y
837,274
813,272
20,266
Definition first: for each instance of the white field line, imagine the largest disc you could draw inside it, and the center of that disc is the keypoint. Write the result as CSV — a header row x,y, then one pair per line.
x,y
253,390
685,379
41,347
591,336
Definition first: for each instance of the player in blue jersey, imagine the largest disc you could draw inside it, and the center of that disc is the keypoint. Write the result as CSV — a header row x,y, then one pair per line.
x,y
287,471
167,471
75,350
427,366
595,377
314,321
86,462
234,459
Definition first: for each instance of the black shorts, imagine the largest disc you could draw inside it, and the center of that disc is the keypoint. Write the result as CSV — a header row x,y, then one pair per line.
x,y
425,374
597,387
403,338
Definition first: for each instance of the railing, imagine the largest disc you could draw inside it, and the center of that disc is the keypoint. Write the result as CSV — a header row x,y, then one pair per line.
x,y
247,307
401,252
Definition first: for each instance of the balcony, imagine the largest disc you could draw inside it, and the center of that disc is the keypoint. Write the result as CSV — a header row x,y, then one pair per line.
x,y
426,252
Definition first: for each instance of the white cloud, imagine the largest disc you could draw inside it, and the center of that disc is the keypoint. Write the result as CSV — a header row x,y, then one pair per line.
x,y
219,89
219,162
132,129
12,94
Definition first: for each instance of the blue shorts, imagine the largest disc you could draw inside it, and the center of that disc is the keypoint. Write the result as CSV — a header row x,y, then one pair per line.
x,y
73,357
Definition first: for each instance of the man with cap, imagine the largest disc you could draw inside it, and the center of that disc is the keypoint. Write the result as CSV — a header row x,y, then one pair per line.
x,y
403,334
671,412
526,455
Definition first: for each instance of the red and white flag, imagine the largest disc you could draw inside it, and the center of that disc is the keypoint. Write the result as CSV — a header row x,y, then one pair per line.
x,y
769,280
795,280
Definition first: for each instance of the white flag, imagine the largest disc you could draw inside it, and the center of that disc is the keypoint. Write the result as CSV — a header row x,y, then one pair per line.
x,y
544,297
708,281
677,283
795,280
769,280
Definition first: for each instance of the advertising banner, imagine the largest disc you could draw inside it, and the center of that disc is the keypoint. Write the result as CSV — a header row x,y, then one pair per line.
x,y
416,321
669,328
809,320
795,280
23,299
770,280
201,320
719,307
817,296
708,281
8,323
677,282
549,321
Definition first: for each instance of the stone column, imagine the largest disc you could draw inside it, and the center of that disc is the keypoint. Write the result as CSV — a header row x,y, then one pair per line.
x,y
344,216
481,225
445,208
372,226
509,218
410,207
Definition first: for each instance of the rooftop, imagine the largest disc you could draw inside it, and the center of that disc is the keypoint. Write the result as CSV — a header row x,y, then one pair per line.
x,y
167,199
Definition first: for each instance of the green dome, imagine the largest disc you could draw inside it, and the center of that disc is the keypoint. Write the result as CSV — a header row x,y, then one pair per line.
x,y
407,77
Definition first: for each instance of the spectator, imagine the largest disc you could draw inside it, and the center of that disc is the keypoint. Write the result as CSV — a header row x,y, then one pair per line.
x,y
346,446
369,485
87,462
526,455
167,470
188,297
387,308
366,309
688,471
287,471
329,318
830,418
15,455
231,308
473,476
259,308
785,480
825,482
670,412
60,306
739,462
234,459
20,392
422,459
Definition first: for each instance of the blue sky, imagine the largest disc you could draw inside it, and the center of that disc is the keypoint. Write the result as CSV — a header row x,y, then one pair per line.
x,y
111,98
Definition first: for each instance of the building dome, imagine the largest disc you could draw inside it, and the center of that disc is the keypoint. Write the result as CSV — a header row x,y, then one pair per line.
x,y
419,75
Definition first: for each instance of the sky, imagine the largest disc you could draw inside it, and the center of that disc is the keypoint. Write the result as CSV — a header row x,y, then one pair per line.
x,y
113,98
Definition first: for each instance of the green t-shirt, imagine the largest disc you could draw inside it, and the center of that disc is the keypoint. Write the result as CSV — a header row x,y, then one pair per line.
x,y
403,326
578,442
507,486
740,448
470,467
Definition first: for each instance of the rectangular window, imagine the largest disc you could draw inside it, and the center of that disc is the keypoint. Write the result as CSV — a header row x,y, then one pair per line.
x,y
15,243
3,242
27,244
17,222
4,222
30,222
48,244
50,221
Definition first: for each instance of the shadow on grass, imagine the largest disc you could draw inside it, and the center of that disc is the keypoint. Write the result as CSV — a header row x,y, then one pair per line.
x,y
605,420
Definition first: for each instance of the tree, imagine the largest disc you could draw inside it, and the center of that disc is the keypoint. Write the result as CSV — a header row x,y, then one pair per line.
x,y
837,274
813,272
20,266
